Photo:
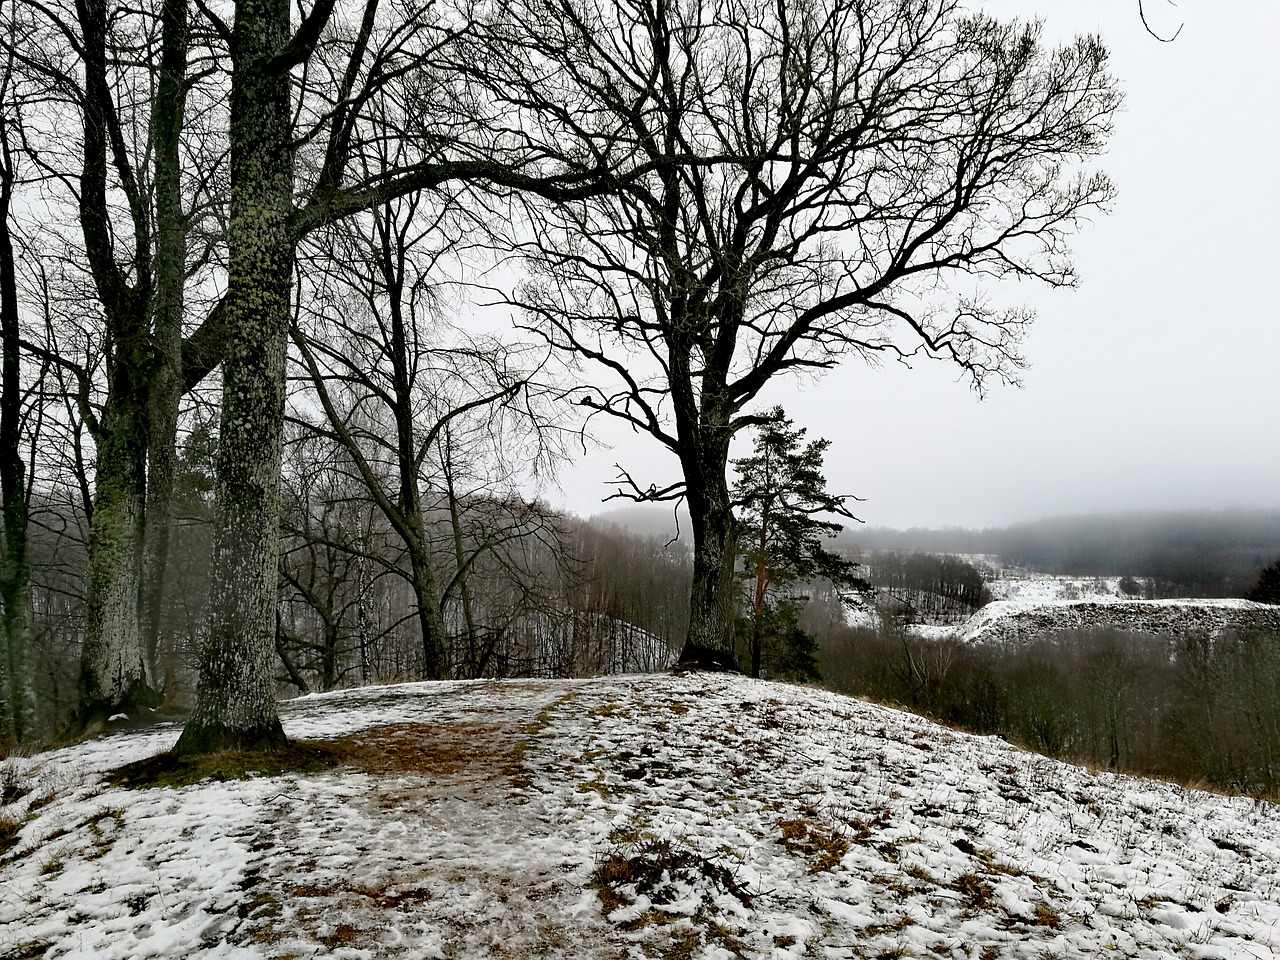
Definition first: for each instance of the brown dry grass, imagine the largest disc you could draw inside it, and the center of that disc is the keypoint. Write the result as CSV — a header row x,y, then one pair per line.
x,y
475,750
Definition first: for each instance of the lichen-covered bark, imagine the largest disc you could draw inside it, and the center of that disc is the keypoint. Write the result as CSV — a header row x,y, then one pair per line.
x,y
236,696
113,675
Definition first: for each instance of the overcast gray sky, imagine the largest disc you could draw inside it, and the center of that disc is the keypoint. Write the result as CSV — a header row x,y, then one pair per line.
x,y
1154,385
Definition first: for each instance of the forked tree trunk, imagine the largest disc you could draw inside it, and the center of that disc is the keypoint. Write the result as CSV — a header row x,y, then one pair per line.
x,y
236,705
113,676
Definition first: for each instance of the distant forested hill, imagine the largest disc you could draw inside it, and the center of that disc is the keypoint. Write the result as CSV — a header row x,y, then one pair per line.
x,y
1208,553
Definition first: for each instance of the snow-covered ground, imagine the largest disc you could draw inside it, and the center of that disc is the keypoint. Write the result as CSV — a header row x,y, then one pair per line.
x,y
697,816
1015,621
1026,605
1016,584
1003,583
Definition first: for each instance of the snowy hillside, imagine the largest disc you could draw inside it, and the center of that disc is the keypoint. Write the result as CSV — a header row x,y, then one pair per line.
x,y
1012,620
1014,584
697,816
1001,583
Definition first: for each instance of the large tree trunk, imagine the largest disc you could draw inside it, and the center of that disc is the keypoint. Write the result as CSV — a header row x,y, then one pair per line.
x,y
236,698
17,685
113,675
112,672
435,659
170,275
713,598
703,432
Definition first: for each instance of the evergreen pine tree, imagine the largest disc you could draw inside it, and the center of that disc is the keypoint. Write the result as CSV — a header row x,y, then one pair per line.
x,y
781,496
1267,587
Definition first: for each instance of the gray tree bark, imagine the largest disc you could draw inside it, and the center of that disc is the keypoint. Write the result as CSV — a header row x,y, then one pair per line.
x,y
18,718
166,386
703,426
236,697
113,676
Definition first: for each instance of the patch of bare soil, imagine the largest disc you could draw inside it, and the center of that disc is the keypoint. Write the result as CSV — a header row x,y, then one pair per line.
x,y
441,851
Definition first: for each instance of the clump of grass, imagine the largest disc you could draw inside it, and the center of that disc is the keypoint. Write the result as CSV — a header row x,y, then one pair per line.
x,y
102,839
31,950
12,787
171,770
9,829
977,894
55,863
897,926
684,945
629,834
607,709
344,935
597,785
819,844
917,872
1047,915
657,869
989,864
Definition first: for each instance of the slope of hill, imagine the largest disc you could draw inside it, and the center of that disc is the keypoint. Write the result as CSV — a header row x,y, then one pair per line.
x,y
695,816
1004,621
1024,585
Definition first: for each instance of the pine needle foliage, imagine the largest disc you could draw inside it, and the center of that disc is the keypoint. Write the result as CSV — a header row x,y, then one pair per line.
x,y
782,500
1266,589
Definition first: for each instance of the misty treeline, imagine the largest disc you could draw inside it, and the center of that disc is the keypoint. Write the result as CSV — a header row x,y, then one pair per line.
x,y
277,234
537,593
1201,553
1196,709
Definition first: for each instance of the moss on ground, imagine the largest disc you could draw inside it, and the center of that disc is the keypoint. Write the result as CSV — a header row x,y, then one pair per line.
x,y
171,770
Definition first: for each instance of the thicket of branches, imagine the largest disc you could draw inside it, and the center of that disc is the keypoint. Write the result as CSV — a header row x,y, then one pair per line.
x,y
251,427
926,587
1196,710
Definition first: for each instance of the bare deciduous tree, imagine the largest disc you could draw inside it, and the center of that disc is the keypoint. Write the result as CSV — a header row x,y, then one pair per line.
x,y
821,178
18,719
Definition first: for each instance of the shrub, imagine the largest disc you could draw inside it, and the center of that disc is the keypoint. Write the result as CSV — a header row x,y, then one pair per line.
x,y
1266,589
1199,709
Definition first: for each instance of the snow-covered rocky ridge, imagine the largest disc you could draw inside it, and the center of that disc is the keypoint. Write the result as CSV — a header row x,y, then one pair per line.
x,y
697,816
1014,621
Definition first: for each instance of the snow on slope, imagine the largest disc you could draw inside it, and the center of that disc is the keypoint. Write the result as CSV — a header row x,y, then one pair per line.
x,y
1013,620
705,816
1023,585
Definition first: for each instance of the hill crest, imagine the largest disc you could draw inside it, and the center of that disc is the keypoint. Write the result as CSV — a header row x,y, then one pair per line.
x,y
695,816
